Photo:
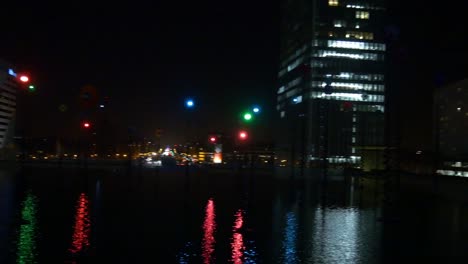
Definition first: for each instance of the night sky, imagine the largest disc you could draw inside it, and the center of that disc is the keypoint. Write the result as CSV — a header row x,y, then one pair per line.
x,y
148,56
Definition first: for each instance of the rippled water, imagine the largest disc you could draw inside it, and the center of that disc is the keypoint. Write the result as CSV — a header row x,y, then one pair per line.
x,y
197,216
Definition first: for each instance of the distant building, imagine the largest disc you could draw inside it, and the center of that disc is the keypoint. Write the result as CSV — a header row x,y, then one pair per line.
x,y
331,91
8,87
451,115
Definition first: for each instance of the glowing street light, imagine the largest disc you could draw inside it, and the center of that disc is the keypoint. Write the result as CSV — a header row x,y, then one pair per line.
x,y
189,103
247,116
256,109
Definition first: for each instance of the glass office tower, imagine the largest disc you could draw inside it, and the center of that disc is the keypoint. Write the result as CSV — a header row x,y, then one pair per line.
x,y
331,90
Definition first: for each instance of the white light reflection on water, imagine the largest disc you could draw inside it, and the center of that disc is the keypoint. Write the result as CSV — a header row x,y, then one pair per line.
x,y
335,236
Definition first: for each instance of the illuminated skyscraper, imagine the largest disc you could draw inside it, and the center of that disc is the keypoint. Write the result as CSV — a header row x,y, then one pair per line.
x,y
8,87
331,90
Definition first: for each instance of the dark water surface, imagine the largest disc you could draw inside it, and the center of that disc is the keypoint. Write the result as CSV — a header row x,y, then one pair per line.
x,y
145,216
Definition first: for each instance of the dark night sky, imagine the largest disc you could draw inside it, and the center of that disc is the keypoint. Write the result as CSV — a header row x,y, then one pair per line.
x,y
148,56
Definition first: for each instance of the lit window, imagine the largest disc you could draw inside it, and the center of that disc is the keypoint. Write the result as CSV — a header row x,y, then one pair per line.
x,y
283,114
362,15
333,2
354,129
339,23
353,150
281,89
297,99
359,35
353,140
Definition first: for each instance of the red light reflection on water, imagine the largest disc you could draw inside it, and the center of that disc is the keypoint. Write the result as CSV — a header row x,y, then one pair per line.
x,y
237,243
81,230
209,227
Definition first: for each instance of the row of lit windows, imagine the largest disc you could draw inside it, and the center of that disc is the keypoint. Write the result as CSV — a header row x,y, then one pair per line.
x,y
342,24
352,86
356,97
356,6
360,35
362,15
352,76
334,64
358,45
334,96
356,107
354,56
353,45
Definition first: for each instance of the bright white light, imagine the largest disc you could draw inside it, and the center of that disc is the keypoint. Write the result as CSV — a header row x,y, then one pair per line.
x,y
101,106
458,109
256,110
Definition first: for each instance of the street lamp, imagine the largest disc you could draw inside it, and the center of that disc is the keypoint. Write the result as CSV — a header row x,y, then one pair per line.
x,y
247,116
189,103
256,109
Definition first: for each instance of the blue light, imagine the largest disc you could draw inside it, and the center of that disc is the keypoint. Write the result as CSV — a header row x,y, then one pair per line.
x,y
256,110
12,72
189,103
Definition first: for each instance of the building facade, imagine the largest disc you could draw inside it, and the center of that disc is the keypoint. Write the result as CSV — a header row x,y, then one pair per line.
x,y
8,88
451,128
331,89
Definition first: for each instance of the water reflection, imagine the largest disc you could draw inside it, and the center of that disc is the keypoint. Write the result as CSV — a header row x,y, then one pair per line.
x,y
290,237
81,229
26,252
209,228
237,243
336,235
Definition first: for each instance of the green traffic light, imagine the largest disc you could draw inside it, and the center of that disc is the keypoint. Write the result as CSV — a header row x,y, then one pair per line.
x,y
32,88
247,116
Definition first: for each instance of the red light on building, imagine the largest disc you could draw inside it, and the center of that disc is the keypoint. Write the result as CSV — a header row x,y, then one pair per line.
x,y
213,139
86,125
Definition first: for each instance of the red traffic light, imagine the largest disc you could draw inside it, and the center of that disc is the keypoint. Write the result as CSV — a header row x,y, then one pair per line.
x,y
243,135
24,78
86,124
213,139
